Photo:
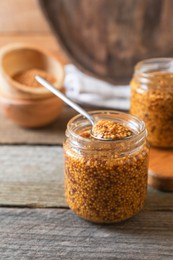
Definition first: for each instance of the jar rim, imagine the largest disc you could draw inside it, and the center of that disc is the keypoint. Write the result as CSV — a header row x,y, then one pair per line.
x,y
129,118
154,65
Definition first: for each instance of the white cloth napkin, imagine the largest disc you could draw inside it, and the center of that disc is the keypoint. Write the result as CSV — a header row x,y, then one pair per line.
x,y
88,90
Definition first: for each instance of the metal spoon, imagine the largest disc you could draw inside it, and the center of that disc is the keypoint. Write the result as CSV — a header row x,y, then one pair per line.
x,y
76,107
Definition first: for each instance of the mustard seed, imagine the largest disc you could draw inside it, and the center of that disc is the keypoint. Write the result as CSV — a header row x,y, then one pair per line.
x,y
109,129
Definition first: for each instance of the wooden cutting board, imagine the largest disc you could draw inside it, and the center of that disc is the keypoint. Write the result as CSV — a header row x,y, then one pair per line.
x,y
161,169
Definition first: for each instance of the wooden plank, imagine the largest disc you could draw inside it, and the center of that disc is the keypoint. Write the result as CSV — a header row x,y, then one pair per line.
x,y
33,176
158,200
60,234
22,16
52,134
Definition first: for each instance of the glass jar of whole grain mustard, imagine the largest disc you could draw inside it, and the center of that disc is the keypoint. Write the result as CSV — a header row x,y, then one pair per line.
x,y
152,99
106,181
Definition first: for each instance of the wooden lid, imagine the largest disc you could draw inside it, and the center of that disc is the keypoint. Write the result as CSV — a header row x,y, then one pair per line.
x,y
107,38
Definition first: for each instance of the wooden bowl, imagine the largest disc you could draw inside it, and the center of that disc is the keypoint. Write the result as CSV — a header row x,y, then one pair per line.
x,y
32,113
17,57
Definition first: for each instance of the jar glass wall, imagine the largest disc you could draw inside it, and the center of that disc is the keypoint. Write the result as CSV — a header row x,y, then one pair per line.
x,y
105,181
152,99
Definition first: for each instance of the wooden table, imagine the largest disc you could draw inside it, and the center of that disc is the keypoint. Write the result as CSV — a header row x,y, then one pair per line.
x,y
35,222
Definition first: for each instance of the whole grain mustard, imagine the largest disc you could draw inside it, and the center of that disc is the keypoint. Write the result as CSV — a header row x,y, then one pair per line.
x,y
106,181
109,129
152,99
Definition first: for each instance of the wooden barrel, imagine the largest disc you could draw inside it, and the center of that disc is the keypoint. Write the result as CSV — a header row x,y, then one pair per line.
x,y
107,37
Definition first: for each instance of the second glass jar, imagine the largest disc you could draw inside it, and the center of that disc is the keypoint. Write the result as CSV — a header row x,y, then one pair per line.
x,y
152,99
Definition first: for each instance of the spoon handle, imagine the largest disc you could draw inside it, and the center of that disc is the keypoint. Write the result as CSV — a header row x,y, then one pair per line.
x,y
59,94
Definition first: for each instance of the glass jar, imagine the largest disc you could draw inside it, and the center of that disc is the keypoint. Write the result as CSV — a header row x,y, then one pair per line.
x,y
105,181
152,99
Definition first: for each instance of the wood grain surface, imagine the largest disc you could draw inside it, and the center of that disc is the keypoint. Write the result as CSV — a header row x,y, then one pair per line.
x,y
32,176
60,234
10,133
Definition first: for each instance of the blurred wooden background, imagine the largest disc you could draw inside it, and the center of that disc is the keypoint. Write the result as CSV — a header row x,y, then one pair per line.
x,y
29,20
22,20
135,29
108,37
